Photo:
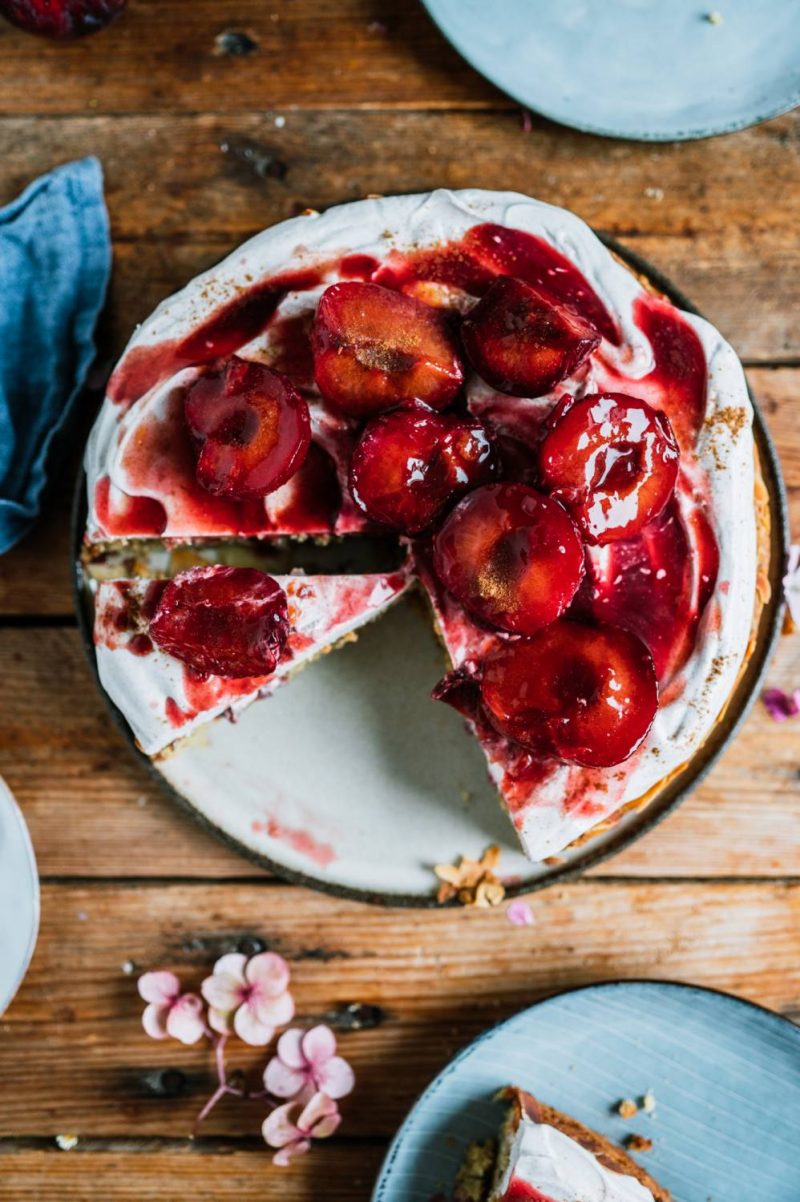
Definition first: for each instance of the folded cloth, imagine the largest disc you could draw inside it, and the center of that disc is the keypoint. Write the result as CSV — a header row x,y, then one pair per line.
x,y
55,259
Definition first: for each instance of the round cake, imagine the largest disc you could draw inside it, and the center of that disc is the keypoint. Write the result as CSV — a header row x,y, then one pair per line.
x,y
566,459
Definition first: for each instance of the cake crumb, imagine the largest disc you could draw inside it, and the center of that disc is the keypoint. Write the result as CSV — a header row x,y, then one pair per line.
x,y
471,882
67,1142
649,1102
638,1143
714,18
627,1108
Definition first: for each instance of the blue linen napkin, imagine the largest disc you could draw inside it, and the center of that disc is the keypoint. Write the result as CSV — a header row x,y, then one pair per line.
x,y
55,260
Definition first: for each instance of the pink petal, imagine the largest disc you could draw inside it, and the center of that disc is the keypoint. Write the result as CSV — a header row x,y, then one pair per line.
x,y
160,987
223,991
272,1011
325,1128
220,1020
319,1108
232,965
780,705
269,972
249,1029
154,1020
519,914
336,1078
284,1158
319,1044
279,1127
290,1048
185,1019
282,1081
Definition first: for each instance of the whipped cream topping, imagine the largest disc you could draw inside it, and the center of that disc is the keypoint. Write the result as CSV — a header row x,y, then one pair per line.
x,y
162,700
721,468
563,1170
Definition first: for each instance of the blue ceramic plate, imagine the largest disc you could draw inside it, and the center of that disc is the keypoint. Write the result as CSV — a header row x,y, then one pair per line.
x,y
635,68
725,1075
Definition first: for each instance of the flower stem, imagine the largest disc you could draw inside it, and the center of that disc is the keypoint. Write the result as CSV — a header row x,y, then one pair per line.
x,y
218,1093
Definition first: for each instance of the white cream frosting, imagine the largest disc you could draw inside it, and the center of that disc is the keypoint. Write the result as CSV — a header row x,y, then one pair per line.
x,y
724,451
322,611
564,1171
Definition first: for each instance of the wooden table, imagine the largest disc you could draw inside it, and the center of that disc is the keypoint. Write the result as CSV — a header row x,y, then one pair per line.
x,y
337,99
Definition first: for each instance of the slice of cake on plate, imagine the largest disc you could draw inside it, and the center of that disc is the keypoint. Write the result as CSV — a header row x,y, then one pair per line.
x,y
543,1155
175,654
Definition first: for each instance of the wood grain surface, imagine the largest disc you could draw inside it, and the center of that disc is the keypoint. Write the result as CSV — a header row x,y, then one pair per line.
x,y
368,98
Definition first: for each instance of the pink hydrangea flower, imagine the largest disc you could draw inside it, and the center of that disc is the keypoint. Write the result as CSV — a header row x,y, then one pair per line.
x,y
780,705
250,997
306,1063
170,1012
290,1128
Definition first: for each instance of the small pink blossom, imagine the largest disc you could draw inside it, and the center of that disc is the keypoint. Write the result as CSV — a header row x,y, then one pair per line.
x,y
307,1063
791,583
519,914
780,705
170,1012
290,1128
250,997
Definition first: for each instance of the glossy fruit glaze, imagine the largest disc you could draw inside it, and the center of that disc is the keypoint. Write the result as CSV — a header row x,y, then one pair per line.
x,y
612,461
374,365
231,622
511,555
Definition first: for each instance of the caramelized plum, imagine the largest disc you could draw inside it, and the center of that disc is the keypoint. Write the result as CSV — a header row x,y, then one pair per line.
x,y
230,622
511,556
409,464
585,694
613,461
522,341
61,18
252,425
375,349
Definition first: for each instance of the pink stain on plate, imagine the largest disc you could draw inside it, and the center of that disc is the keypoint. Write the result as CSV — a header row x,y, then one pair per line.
x,y
299,840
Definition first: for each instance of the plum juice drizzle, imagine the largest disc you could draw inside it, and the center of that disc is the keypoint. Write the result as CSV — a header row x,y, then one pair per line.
x,y
656,584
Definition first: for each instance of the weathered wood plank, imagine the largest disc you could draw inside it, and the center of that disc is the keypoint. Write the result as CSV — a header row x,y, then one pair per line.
x,y
81,787
164,55
120,1172
215,176
435,984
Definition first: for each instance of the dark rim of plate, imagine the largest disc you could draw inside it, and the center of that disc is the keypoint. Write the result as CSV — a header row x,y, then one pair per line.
x,y
639,824
552,996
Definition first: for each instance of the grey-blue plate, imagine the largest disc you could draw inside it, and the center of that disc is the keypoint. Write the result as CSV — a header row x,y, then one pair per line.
x,y
640,69
725,1075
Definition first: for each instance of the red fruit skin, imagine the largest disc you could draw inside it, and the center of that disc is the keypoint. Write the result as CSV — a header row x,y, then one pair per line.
x,y
61,19
522,341
585,694
511,556
613,461
408,465
231,622
252,426
375,349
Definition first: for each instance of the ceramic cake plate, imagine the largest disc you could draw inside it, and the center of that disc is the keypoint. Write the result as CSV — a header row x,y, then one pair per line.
x,y
725,1075
354,782
635,68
